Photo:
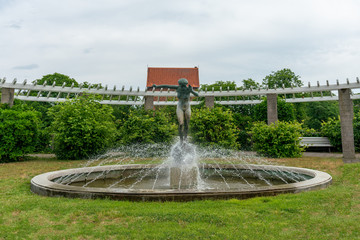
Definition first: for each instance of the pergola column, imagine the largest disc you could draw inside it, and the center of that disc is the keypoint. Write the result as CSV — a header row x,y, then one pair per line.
x,y
272,114
209,101
7,96
149,103
347,129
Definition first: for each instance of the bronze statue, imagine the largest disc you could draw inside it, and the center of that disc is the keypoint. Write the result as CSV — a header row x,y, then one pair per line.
x,y
183,110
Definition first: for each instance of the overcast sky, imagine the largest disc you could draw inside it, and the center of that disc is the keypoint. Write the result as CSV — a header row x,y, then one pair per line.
x,y
113,41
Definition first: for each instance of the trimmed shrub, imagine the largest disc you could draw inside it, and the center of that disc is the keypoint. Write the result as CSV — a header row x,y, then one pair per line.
x,y
82,127
146,127
19,133
309,132
214,127
280,139
332,130
244,124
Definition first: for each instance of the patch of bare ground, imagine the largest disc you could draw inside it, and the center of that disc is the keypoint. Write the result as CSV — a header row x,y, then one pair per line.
x,y
330,165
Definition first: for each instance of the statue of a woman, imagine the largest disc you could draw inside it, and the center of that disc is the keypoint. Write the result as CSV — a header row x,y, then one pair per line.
x,y
183,110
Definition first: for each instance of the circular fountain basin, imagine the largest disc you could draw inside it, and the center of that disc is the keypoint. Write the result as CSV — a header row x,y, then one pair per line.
x,y
120,182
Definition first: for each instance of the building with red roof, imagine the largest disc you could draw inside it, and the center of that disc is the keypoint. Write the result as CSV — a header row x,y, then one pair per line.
x,y
170,76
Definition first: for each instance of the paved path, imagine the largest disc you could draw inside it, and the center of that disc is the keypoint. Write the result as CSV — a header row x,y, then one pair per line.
x,y
324,154
42,155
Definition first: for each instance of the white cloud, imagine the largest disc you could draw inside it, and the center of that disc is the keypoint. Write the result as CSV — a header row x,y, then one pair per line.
x,y
26,67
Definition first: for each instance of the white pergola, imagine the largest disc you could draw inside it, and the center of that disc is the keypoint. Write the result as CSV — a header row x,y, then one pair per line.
x,y
341,92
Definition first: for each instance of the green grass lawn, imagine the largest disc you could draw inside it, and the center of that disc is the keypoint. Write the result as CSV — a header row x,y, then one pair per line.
x,y
332,213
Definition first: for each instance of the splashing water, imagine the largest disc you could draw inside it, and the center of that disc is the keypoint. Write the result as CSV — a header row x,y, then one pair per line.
x,y
180,166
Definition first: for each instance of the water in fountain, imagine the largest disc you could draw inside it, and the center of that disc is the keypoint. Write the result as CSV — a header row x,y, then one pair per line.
x,y
184,170
180,166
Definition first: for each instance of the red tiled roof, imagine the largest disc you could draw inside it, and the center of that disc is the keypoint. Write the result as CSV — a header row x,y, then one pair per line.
x,y
170,76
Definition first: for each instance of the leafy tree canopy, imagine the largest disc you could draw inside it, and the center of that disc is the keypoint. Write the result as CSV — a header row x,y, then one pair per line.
x,y
282,77
231,85
286,111
58,78
318,112
250,84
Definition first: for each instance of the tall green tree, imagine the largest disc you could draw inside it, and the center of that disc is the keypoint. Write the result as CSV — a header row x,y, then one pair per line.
x,y
224,85
319,112
249,84
58,78
284,77
286,111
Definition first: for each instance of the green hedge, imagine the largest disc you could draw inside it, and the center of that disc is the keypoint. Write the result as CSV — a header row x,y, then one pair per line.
x,y
214,127
146,127
280,139
19,133
332,130
82,128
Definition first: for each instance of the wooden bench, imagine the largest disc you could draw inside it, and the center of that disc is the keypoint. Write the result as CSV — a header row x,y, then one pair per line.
x,y
318,142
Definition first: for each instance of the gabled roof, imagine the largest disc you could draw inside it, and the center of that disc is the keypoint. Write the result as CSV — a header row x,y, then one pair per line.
x,y
170,76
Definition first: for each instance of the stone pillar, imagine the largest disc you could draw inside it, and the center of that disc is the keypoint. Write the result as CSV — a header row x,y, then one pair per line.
x,y
346,122
7,96
272,114
149,103
210,101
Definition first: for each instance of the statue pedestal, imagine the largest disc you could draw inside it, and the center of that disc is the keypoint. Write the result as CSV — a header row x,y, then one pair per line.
x,y
183,178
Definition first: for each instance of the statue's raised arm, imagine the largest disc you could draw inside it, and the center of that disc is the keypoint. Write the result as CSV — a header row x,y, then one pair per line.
x,y
165,86
192,91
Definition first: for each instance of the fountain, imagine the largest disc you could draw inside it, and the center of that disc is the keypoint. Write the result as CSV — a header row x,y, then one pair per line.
x,y
187,173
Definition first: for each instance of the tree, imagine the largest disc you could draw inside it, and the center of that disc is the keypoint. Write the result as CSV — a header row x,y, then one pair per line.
x,y
231,85
332,129
246,109
82,127
249,84
286,111
58,78
318,112
284,77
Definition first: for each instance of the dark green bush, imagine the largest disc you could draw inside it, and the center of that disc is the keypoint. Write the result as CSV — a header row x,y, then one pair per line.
x,y
286,111
244,124
214,127
146,127
19,133
309,132
82,127
280,139
332,130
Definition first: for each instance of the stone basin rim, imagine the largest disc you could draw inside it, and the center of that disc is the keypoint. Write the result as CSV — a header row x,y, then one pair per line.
x,y
42,185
